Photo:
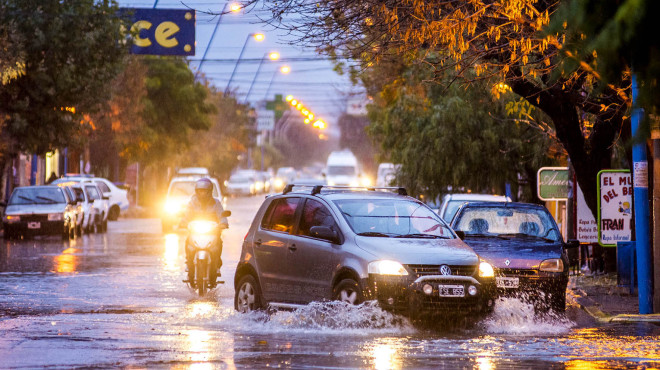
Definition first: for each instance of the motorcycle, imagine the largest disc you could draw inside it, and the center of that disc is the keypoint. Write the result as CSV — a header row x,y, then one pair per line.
x,y
203,242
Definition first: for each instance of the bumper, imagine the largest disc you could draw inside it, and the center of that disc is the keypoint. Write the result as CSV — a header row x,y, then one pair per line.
x,y
30,228
406,295
536,285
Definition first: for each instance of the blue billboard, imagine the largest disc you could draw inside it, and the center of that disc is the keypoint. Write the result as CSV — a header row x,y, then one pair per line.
x,y
162,31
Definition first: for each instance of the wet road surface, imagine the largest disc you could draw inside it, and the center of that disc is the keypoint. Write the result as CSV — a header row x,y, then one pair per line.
x,y
117,300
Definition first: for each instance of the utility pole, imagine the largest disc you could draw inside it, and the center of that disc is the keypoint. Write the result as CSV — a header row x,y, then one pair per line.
x,y
641,201
655,136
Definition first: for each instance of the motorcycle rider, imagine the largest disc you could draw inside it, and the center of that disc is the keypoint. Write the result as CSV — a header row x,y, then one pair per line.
x,y
204,206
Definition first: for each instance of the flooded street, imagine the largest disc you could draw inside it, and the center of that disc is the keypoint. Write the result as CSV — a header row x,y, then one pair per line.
x,y
117,300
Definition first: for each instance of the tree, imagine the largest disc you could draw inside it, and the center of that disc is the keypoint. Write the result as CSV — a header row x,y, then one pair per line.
x,y
501,39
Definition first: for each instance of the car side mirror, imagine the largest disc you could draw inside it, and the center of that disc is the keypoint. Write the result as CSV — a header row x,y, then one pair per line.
x,y
3,204
460,234
325,233
572,243
225,213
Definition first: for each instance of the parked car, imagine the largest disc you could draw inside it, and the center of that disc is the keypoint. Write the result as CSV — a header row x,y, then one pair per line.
x,y
353,246
90,212
78,208
179,192
100,203
242,183
451,202
117,198
197,172
523,243
39,210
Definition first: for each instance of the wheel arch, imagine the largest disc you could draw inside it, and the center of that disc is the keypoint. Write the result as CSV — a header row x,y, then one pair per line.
x,y
244,269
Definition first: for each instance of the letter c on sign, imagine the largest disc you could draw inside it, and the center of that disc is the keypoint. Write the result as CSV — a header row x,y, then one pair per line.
x,y
135,29
164,33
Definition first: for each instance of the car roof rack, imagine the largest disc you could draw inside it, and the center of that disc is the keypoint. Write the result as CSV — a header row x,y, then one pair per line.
x,y
316,189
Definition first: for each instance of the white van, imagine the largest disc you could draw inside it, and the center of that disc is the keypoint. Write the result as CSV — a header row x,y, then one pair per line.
x,y
386,174
343,169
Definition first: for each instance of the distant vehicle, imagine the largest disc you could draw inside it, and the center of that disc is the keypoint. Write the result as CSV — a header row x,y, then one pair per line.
x,y
179,192
451,202
39,210
90,212
78,208
243,182
343,169
523,243
100,203
193,172
386,174
357,245
283,176
117,198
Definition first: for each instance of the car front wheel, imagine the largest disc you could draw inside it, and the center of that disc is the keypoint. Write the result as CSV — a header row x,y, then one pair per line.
x,y
348,290
248,295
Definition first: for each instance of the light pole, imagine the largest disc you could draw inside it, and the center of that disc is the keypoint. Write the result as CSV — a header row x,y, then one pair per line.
x,y
273,55
257,37
284,70
234,8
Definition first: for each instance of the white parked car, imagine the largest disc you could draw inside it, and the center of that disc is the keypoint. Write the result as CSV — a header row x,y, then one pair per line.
x,y
99,202
451,202
89,211
117,198
179,192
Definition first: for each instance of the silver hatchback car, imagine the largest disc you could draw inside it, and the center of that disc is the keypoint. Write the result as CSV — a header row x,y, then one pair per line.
x,y
329,243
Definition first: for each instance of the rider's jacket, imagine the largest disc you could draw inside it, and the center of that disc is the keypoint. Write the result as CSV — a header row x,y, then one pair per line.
x,y
212,211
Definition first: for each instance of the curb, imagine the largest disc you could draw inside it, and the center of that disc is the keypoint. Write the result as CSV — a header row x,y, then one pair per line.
x,y
604,318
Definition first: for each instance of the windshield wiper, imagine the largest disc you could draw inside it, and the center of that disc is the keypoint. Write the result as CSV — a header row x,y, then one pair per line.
x,y
28,199
374,233
52,201
518,235
418,235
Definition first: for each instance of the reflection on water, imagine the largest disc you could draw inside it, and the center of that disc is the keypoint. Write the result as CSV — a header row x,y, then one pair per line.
x,y
484,360
596,343
171,253
385,354
199,349
67,261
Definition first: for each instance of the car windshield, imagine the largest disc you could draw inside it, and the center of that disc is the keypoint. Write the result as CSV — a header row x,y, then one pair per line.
x,y
507,222
341,170
392,218
37,196
186,189
452,207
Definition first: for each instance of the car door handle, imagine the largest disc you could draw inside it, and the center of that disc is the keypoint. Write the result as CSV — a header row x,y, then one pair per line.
x,y
293,247
258,243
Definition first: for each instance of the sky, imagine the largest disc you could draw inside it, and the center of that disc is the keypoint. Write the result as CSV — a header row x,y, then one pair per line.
x,y
311,80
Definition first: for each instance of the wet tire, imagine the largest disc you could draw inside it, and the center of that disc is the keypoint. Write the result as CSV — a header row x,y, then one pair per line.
x,y
558,302
349,291
113,214
104,226
248,295
8,234
72,232
79,230
66,233
200,275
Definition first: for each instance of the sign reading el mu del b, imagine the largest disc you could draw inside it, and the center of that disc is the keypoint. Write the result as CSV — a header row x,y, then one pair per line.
x,y
162,31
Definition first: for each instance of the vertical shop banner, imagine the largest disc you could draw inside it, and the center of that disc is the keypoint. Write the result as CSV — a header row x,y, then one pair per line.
x,y
587,227
615,193
162,31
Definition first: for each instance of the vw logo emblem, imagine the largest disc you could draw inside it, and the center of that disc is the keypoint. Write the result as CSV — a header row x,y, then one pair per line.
x,y
507,262
445,270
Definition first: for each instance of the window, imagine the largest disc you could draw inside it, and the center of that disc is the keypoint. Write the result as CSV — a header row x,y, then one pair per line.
x,y
80,196
104,188
37,195
92,192
280,216
315,214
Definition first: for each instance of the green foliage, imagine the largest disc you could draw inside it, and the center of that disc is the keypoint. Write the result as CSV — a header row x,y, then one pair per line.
x,y
70,53
457,138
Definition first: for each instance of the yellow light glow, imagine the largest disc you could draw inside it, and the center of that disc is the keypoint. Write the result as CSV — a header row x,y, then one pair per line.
x,y
274,55
322,137
171,253
319,124
259,37
310,116
285,69
67,262
305,112
307,121
289,98
294,102
299,106
235,7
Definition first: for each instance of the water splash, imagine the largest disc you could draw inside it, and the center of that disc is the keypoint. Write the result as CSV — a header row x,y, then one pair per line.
x,y
516,316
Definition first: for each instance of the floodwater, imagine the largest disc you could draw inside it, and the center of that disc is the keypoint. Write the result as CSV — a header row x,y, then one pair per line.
x,y
117,300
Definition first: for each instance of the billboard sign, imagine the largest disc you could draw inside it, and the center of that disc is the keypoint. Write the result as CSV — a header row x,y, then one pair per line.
x,y
552,183
265,120
162,31
614,207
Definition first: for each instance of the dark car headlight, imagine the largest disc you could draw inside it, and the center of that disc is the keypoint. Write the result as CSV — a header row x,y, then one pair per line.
x,y
552,265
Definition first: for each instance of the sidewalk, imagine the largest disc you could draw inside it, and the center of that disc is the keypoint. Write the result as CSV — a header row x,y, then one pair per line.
x,y
601,298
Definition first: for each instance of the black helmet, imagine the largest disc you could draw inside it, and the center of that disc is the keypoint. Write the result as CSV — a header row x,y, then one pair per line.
x,y
204,189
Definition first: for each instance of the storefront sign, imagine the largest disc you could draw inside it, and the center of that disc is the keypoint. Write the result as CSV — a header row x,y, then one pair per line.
x,y
552,183
614,207
587,228
162,31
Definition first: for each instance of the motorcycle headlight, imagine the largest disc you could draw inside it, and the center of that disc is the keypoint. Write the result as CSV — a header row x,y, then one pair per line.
x,y
386,267
10,219
486,269
552,265
202,227
55,217
279,183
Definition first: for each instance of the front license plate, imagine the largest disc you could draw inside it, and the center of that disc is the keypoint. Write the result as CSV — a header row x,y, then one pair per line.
x,y
507,282
34,225
451,290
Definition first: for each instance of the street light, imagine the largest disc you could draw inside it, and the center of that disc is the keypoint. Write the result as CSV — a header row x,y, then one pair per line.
x,y
257,37
284,70
272,56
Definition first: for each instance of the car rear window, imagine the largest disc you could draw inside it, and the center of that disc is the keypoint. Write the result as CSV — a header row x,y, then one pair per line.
x,y
104,188
280,215
92,192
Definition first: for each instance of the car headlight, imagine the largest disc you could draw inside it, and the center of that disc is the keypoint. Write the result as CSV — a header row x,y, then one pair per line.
x,y
202,227
172,206
10,219
366,181
55,217
552,265
331,183
386,267
354,184
486,269
279,183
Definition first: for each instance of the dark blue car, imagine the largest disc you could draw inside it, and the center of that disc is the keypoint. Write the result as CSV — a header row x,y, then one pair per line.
x,y
524,245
